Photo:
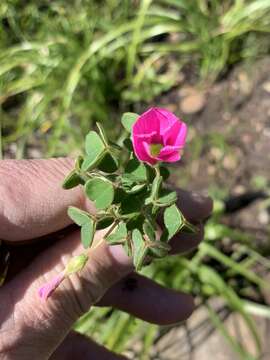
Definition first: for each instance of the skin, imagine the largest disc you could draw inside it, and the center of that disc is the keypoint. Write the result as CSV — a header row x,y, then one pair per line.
x,y
32,218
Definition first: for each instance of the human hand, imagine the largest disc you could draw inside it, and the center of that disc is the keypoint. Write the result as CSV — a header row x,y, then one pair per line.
x,y
33,208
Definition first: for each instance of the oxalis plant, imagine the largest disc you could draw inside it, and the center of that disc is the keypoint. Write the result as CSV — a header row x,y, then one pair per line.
x,y
127,184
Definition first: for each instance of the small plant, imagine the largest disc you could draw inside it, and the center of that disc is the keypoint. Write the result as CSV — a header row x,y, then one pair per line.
x,y
126,184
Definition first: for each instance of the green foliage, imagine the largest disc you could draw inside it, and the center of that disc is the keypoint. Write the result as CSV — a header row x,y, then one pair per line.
x,y
119,236
128,119
87,224
100,191
64,67
140,249
127,202
173,220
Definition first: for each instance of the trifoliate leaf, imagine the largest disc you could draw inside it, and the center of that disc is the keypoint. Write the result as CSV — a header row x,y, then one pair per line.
x,y
118,236
95,150
173,220
136,171
108,163
72,180
87,233
128,144
79,216
78,163
100,191
128,119
102,134
104,222
76,264
149,231
154,190
140,249
159,249
166,198
135,189
164,172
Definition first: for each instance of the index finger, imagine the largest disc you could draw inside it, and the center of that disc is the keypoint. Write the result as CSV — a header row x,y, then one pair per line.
x,y
33,202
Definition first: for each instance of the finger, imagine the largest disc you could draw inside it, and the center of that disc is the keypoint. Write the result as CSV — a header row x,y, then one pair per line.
x,y
33,202
77,346
184,242
149,301
194,206
37,185
46,323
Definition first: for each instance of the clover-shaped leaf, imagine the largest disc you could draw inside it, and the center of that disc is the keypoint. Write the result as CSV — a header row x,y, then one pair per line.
x,y
173,220
140,249
88,225
100,191
119,236
95,150
128,119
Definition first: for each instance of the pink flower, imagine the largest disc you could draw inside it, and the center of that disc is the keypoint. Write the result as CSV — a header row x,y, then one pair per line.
x,y
46,290
158,135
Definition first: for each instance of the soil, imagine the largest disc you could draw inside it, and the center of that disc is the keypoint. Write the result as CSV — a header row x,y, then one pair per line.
x,y
228,151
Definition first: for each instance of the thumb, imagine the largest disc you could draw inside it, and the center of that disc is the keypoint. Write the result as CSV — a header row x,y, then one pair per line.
x,y
37,326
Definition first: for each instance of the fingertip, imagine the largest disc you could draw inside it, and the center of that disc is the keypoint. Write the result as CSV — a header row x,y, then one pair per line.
x,y
184,242
195,207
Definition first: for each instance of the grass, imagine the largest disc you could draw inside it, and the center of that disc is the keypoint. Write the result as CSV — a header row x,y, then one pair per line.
x,y
64,67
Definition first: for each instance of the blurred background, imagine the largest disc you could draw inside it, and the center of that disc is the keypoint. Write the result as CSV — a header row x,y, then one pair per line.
x,y
65,64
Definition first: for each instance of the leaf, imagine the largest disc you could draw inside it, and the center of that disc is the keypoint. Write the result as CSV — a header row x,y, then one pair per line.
x,y
87,233
108,163
118,236
79,216
140,249
128,144
164,172
149,231
166,198
83,219
128,119
78,163
136,171
104,222
159,249
135,189
102,134
131,204
72,180
100,191
95,150
173,220
154,191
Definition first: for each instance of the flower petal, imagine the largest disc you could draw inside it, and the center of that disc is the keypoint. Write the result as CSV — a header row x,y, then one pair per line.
x,y
176,134
169,154
182,135
166,120
141,149
147,123
47,289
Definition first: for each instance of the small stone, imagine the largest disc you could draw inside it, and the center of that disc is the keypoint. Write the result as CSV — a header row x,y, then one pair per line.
x,y
266,86
193,102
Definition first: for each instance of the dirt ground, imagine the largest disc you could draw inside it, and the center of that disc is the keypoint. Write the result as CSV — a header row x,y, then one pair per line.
x,y
236,159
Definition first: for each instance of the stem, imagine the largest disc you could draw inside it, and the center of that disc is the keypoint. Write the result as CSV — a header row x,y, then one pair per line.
x,y
157,170
111,229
